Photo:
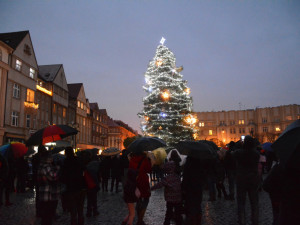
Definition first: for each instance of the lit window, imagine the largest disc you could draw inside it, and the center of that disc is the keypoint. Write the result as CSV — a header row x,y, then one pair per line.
x,y
81,105
18,65
277,128
83,121
54,109
241,121
289,118
78,104
28,121
64,112
298,117
32,73
16,91
30,95
98,117
210,132
15,118
201,124
265,129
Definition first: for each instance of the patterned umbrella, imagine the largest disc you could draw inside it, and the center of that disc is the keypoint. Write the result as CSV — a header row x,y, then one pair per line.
x,y
50,134
111,151
13,149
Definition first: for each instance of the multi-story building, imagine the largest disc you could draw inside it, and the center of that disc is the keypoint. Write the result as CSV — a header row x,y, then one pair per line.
x,y
266,124
5,51
82,123
52,95
118,132
20,105
99,127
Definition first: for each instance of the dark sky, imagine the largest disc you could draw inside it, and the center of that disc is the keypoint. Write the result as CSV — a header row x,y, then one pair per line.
x,y
236,54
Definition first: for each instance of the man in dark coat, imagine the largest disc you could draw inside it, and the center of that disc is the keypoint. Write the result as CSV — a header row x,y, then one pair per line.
x,y
72,177
247,179
230,167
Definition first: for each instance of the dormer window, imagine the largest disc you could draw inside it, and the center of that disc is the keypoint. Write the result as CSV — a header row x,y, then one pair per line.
x,y
18,65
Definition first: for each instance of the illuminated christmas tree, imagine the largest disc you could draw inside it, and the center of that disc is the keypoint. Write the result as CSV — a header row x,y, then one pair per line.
x,y
167,110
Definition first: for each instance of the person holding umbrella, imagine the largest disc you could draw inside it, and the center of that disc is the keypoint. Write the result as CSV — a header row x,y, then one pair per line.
x,y
247,179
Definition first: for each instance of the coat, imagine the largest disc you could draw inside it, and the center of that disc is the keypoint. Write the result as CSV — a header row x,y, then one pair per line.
x,y
142,179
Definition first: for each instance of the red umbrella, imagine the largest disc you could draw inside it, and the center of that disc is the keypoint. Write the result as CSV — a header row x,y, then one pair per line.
x,y
50,134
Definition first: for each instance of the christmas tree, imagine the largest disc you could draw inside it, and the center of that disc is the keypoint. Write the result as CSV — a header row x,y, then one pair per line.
x,y
167,110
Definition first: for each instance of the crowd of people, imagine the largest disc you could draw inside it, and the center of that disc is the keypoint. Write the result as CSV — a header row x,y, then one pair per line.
x,y
76,178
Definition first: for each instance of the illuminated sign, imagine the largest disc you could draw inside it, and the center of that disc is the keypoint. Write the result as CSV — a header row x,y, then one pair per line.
x,y
44,90
31,105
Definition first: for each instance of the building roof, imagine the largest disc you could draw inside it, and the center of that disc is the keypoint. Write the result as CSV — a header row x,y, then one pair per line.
x,y
111,123
13,39
74,89
125,125
49,72
94,106
103,111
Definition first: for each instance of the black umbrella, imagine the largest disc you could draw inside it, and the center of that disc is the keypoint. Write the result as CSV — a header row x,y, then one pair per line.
x,y
196,149
144,144
287,143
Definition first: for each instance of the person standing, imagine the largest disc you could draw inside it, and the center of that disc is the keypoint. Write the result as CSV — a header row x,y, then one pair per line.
x,y
172,193
72,175
3,176
22,168
193,179
230,168
143,183
116,173
247,179
47,179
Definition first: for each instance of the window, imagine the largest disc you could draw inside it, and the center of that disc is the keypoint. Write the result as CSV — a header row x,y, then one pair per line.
x,y
277,129
16,91
81,105
232,122
265,129
32,73
34,122
18,65
298,117
210,132
289,118
28,121
0,55
64,112
15,118
30,95
264,120
222,123
54,108
201,124
83,121
241,121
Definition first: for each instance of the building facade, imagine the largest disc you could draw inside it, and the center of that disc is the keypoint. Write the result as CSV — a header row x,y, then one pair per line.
x,y
5,51
265,124
20,103
118,132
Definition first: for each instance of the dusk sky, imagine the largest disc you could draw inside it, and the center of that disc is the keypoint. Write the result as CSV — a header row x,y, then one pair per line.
x,y
236,54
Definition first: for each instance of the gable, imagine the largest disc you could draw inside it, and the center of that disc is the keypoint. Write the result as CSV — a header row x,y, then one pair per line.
x,y
25,52
60,79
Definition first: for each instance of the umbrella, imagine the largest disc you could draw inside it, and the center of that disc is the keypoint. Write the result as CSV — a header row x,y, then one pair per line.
x,y
111,151
287,143
13,149
145,144
267,146
50,134
196,149
58,158
56,150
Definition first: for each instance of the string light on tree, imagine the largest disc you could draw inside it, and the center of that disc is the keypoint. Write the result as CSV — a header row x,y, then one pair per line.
x,y
168,100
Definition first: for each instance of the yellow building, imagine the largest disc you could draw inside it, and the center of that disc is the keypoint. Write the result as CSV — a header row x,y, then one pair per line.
x,y
266,124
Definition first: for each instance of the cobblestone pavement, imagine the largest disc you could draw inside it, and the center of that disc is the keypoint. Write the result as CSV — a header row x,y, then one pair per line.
x,y
112,210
